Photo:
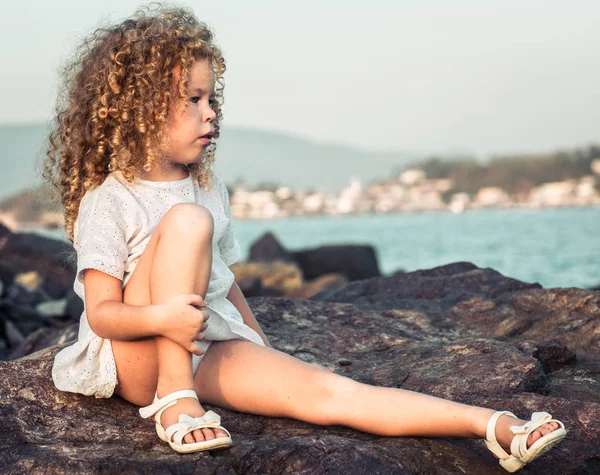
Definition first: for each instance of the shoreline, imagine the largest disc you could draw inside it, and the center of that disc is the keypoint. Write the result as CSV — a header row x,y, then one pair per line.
x,y
15,226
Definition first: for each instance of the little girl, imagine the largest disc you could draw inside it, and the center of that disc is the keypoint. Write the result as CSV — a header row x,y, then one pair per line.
x,y
164,324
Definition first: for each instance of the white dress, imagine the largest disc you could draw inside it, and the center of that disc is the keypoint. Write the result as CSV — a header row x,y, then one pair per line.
x,y
113,227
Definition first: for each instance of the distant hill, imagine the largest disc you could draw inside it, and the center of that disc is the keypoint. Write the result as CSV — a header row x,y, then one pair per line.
x,y
251,156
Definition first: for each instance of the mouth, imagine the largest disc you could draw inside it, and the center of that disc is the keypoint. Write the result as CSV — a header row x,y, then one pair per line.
x,y
208,136
206,139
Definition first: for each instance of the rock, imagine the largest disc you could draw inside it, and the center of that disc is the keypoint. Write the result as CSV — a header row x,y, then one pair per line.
x,y
554,356
267,248
52,259
30,281
27,289
6,278
26,319
4,231
355,262
4,351
451,331
53,308
74,305
251,286
44,338
320,284
13,334
277,278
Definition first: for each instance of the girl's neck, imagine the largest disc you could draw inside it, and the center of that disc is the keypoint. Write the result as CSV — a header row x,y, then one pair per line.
x,y
175,173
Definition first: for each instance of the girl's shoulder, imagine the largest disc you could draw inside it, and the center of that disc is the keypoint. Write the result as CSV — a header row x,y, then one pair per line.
x,y
218,185
111,194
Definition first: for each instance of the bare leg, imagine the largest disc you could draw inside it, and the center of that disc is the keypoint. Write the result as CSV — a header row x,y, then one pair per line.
x,y
243,376
163,272
261,380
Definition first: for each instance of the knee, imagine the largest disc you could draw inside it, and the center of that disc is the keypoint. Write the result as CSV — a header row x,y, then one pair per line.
x,y
189,220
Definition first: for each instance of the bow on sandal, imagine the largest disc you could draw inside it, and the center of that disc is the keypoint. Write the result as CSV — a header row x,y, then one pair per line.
x,y
519,453
175,433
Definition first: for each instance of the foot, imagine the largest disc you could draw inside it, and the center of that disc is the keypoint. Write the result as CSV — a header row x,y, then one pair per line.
x,y
192,408
504,435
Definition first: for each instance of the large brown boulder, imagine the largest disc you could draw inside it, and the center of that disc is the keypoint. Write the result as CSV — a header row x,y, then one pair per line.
x,y
277,278
457,331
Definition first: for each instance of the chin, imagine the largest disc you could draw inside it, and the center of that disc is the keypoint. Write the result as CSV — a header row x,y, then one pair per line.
x,y
193,161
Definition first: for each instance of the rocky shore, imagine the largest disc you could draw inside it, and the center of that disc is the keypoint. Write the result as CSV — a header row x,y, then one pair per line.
x,y
457,331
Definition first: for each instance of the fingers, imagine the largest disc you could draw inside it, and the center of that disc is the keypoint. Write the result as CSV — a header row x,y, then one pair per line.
x,y
195,349
205,314
196,300
200,336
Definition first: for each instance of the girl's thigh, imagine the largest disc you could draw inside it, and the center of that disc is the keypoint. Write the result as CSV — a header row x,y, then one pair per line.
x,y
246,377
136,361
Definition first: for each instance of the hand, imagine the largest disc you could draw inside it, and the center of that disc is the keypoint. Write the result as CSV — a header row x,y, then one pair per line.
x,y
324,368
182,320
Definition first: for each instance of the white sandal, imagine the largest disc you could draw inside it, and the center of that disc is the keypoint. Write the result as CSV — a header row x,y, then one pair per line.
x,y
520,454
175,433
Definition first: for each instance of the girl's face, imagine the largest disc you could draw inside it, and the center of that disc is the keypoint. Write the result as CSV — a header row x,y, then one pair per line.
x,y
190,131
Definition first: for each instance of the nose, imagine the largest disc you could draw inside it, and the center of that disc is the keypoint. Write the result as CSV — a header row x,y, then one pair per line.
x,y
209,115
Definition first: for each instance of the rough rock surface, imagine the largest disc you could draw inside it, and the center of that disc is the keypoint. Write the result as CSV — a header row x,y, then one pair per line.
x,y
457,331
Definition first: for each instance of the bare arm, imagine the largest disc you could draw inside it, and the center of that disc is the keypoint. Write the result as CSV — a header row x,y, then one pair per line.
x,y
110,318
236,297
119,321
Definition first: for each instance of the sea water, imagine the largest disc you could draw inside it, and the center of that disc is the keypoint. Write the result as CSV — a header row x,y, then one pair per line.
x,y
554,247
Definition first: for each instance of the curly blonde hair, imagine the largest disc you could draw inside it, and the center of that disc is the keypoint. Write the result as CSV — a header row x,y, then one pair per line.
x,y
112,107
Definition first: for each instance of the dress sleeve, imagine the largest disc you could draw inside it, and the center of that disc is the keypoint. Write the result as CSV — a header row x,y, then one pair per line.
x,y
229,247
99,235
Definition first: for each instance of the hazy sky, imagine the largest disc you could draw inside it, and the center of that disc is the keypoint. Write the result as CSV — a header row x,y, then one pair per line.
x,y
485,76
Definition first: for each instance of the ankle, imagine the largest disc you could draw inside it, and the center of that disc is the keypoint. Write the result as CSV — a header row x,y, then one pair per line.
x,y
167,386
479,418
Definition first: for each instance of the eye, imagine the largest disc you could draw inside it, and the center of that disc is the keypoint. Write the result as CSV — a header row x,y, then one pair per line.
x,y
194,99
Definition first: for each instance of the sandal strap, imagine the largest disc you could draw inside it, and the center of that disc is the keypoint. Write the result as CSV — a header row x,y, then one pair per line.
x,y
165,402
518,446
490,435
189,424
